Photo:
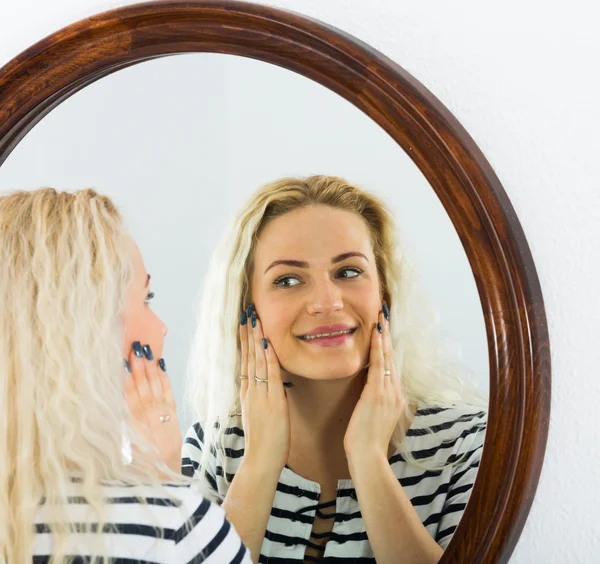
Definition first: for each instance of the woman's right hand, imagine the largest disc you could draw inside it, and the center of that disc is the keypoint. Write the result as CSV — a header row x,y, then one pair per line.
x,y
152,405
265,414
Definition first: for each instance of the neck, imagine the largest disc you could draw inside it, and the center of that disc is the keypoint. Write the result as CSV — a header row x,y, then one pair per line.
x,y
322,409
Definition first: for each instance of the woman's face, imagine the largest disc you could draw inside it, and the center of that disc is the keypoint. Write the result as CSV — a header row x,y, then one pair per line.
x,y
315,277
140,323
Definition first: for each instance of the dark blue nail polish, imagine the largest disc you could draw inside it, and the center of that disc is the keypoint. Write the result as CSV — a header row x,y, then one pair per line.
x,y
243,318
265,344
386,311
253,320
379,328
137,349
148,352
162,364
250,310
127,367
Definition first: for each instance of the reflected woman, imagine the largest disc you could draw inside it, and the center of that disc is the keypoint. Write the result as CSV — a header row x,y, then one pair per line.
x,y
74,297
330,422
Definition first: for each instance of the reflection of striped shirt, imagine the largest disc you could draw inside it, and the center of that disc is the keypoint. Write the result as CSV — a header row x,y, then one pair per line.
x,y
437,435
174,525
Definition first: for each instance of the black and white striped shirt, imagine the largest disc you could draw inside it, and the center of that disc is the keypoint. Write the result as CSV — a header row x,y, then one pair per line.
x,y
174,525
437,435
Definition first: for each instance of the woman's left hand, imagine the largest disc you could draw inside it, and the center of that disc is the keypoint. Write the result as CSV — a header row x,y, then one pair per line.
x,y
381,403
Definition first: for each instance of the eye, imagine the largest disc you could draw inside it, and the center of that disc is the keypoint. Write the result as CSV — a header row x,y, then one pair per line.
x,y
349,272
149,297
286,282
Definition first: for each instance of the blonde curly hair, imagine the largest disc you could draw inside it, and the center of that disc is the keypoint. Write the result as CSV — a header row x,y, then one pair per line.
x,y
66,263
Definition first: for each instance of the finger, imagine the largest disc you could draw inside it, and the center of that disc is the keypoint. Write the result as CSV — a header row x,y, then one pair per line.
x,y
152,375
165,382
376,361
261,359
133,398
388,354
274,371
251,353
138,374
244,354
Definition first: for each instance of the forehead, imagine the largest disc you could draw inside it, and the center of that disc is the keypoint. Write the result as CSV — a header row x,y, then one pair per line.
x,y
312,233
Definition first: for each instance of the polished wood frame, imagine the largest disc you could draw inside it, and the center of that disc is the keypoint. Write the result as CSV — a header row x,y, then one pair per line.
x,y
55,68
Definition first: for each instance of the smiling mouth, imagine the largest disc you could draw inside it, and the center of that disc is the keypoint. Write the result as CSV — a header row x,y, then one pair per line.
x,y
322,335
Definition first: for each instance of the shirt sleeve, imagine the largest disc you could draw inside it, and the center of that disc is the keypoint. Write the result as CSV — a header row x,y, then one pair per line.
x,y
462,479
191,454
207,536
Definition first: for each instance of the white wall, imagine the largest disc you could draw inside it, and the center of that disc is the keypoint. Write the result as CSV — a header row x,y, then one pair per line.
x,y
523,79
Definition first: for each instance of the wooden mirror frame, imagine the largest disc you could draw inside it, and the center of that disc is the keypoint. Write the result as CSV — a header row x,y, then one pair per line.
x,y
55,68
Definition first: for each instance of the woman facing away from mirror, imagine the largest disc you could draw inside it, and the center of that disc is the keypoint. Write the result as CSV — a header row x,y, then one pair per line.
x,y
331,423
74,303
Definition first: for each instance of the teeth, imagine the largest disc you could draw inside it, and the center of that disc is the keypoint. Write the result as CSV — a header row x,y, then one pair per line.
x,y
335,334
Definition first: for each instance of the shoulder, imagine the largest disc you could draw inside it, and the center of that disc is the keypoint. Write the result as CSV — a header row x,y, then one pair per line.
x,y
456,429
194,525
232,435
225,444
454,418
168,504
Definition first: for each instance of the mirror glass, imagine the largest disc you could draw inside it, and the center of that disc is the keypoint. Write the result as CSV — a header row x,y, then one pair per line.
x,y
181,142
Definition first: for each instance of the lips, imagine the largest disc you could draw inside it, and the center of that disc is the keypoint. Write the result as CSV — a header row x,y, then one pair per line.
x,y
328,331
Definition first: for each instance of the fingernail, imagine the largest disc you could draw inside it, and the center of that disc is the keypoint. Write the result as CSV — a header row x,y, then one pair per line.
x,y
250,310
265,344
162,364
386,311
243,318
379,328
253,320
148,352
127,367
137,349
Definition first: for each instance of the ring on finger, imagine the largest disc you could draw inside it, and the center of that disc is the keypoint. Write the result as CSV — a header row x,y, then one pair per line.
x,y
165,418
387,372
242,377
261,380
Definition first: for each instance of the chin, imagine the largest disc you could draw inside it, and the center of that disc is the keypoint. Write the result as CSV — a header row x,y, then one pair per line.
x,y
326,373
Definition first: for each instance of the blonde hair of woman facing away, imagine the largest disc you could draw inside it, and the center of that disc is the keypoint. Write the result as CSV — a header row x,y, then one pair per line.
x,y
73,295
335,314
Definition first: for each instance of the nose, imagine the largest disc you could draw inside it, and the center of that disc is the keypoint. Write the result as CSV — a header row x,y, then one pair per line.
x,y
326,298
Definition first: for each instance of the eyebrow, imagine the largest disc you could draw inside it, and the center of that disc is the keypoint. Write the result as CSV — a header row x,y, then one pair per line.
x,y
147,281
304,264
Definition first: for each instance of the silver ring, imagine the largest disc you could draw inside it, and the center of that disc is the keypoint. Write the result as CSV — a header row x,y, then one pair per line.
x,y
261,380
387,372
165,418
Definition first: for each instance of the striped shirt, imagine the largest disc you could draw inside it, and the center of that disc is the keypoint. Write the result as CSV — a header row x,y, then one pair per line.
x,y
174,525
437,436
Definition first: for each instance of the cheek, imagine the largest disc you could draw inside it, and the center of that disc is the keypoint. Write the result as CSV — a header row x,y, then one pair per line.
x,y
366,300
141,324
277,321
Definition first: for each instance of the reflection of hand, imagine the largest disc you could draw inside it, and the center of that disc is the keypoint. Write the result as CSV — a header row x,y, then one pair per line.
x,y
265,413
150,399
378,410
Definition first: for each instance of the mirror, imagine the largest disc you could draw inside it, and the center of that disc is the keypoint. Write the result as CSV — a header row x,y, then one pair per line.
x,y
510,297
180,143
